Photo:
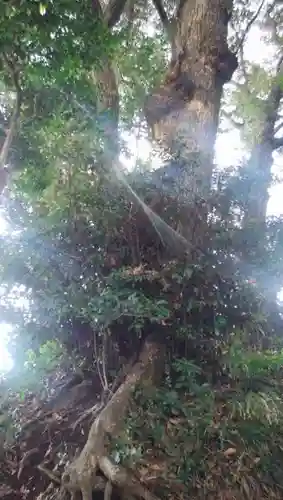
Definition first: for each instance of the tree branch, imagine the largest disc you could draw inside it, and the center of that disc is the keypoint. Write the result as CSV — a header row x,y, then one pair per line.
x,y
158,4
279,67
10,133
278,127
277,143
15,115
241,41
113,12
96,5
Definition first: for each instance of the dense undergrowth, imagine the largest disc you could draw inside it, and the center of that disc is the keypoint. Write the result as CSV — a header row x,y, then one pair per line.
x,y
213,429
215,442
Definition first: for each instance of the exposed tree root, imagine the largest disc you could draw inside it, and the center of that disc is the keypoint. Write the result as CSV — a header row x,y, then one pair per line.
x,y
51,474
124,480
97,408
108,491
81,474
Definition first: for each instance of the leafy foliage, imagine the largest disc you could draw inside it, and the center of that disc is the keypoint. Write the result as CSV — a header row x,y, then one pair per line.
x,y
197,430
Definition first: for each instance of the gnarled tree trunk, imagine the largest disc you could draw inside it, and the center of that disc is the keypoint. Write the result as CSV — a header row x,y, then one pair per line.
x,y
183,112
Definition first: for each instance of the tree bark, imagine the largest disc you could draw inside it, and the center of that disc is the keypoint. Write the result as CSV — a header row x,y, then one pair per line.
x,y
108,108
81,475
10,133
261,159
106,81
183,112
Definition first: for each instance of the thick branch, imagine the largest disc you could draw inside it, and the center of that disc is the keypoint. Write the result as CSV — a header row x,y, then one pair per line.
x,y
108,107
97,8
158,4
277,142
278,127
106,81
113,12
279,67
13,121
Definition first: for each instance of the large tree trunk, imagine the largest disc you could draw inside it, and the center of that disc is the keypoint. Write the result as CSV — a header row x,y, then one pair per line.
x,y
183,112
259,178
261,159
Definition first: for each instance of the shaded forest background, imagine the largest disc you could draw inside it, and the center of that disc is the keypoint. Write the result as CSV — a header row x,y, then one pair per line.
x,y
141,289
